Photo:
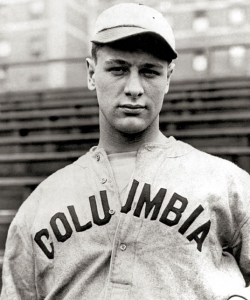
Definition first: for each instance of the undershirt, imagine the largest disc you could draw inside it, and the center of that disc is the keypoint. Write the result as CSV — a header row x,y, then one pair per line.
x,y
123,165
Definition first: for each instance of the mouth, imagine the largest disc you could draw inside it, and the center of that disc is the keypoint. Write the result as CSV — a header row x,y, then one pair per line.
x,y
132,108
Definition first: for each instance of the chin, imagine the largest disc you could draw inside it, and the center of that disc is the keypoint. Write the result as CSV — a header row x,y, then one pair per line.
x,y
134,125
131,129
131,132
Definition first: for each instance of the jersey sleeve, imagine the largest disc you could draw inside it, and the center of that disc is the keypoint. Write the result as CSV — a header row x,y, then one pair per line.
x,y
19,265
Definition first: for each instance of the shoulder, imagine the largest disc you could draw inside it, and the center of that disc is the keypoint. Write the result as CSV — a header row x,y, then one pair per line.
x,y
55,187
219,167
200,161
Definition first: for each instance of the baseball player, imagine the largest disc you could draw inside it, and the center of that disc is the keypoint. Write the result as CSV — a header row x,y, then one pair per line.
x,y
141,215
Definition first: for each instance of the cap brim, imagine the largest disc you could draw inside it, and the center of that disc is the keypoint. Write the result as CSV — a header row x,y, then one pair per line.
x,y
118,33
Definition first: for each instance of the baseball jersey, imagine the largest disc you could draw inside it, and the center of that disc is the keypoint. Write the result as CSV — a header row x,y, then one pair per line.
x,y
123,165
179,231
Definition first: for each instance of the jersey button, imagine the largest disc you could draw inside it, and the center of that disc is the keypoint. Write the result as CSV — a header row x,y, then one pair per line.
x,y
104,180
97,157
111,212
123,247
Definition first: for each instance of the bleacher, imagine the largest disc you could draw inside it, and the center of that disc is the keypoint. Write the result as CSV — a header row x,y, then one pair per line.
x,y
42,131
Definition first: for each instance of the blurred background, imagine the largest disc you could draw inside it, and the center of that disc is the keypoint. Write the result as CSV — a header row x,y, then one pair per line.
x,y
48,118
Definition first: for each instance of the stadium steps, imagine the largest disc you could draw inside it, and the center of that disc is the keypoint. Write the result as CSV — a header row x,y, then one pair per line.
x,y
86,121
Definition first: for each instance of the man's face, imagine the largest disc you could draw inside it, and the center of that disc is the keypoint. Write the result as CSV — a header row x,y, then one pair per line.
x,y
130,89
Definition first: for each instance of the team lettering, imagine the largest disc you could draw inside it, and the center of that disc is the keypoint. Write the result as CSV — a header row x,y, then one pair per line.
x,y
151,206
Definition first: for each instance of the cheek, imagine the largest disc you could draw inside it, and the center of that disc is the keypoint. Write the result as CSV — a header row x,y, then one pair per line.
x,y
157,87
107,87
103,102
156,94
103,93
100,83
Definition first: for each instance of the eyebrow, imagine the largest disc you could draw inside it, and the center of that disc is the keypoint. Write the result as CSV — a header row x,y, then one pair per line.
x,y
155,65
123,62
117,61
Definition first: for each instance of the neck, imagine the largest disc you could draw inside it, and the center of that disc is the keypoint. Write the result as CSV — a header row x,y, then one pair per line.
x,y
113,141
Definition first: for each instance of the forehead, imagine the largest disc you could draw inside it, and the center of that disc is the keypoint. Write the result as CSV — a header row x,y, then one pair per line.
x,y
109,55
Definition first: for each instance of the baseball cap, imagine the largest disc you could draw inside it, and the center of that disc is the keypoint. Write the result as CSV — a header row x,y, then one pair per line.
x,y
129,19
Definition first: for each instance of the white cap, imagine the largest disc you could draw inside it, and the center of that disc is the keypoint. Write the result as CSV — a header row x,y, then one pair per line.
x,y
129,19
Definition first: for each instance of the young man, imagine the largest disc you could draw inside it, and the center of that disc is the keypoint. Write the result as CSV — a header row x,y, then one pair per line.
x,y
140,216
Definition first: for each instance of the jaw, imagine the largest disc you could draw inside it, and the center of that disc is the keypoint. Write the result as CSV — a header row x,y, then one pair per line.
x,y
127,135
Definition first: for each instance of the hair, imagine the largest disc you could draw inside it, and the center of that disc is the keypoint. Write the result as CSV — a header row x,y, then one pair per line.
x,y
139,43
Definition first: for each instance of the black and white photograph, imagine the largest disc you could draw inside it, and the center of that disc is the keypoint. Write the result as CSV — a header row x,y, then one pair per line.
x,y
124,150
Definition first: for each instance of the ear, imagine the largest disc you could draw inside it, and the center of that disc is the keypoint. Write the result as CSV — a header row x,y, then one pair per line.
x,y
91,73
170,72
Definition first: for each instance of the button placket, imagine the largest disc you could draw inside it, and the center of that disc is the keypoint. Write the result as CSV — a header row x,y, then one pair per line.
x,y
105,181
123,254
98,158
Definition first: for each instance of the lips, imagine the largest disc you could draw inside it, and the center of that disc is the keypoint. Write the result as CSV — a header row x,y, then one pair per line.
x,y
132,108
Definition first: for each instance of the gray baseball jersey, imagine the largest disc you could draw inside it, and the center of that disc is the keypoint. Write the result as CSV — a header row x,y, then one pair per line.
x,y
180,231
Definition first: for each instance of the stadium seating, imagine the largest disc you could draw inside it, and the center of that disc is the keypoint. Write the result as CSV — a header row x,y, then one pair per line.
x,y
42,131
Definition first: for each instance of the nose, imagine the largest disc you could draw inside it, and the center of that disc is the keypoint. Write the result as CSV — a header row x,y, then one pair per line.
x,y
133,87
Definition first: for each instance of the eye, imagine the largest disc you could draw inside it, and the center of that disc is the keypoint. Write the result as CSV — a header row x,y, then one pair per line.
x,y
118,71
149,73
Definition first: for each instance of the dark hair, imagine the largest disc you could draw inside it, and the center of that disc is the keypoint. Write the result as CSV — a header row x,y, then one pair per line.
x,y
142,42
